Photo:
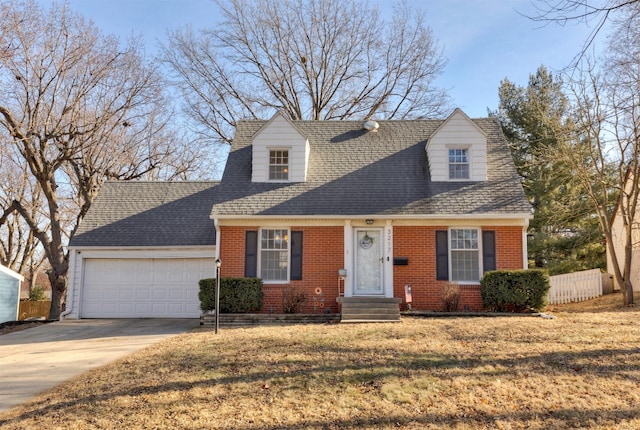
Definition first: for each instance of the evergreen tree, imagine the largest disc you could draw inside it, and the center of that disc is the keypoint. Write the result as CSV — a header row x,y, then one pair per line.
x,y
564,236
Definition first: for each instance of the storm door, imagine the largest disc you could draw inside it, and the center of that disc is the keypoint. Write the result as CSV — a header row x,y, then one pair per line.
x,y
368,262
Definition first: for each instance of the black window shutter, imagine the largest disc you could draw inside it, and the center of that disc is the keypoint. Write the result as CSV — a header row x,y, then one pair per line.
x,y
442,255
251,254
489,250
296,255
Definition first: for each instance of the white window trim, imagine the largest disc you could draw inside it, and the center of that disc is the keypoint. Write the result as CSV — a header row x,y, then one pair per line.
x,y
259,272
279,148
469,163
480,261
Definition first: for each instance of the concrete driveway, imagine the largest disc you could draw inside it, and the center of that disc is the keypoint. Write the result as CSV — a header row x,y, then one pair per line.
x,y
37,359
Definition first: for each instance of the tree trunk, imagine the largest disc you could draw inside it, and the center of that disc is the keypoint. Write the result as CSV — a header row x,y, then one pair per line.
x,y
627,292
58,293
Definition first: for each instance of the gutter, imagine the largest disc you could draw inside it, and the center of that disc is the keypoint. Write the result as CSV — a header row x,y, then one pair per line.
x,y
520,215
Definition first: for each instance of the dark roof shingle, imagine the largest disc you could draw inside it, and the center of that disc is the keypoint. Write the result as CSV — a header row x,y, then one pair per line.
x,y
149,214
355,172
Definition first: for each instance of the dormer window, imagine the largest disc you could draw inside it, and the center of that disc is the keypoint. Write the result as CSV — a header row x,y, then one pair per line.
x,y
279,165
457,150
458,163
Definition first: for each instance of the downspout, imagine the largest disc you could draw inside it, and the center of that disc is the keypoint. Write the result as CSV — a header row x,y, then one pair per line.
x,y
73,271
525,243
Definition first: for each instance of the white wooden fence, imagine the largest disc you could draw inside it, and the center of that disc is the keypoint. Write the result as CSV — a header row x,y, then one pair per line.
x,y
575,287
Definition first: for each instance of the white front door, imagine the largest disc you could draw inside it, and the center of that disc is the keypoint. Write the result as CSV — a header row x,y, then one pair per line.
x,y
368,262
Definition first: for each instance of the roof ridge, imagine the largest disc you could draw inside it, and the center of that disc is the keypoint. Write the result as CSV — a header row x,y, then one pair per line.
x,y
132,181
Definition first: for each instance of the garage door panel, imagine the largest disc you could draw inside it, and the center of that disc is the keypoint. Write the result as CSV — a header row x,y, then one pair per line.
x,y
160,294
177,294
143,288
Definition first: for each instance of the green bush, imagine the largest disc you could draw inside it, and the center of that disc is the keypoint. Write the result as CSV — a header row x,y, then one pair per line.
x,y
516,290
37,293
237,295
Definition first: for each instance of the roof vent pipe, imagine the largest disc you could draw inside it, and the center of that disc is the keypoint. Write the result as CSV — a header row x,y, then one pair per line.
x,y
371,125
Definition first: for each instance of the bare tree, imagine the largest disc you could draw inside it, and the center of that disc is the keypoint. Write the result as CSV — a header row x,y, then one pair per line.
x,y
605,159
596,12
19,250
78,107
312,59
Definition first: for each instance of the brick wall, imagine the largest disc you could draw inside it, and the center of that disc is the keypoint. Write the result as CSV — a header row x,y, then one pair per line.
x,y
323,255
419,245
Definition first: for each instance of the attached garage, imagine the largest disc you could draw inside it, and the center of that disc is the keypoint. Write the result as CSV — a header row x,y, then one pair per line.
x,y
143,287
141,250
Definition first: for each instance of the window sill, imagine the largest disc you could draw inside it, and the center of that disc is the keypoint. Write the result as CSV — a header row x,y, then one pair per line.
x,y
467,283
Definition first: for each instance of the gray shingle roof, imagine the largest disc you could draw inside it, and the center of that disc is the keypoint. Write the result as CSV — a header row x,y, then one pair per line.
x,y
149,214
355,172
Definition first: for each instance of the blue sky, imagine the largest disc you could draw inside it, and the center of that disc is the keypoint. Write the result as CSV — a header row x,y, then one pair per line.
x,y
484,40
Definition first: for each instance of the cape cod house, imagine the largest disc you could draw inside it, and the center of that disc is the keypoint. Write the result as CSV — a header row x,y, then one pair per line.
x,y
333,209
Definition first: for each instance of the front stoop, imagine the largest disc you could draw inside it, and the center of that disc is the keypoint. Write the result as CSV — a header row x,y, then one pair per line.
x,y
369,309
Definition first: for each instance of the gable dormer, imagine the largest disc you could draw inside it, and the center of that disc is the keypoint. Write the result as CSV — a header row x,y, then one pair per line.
x,y
280,152
457,150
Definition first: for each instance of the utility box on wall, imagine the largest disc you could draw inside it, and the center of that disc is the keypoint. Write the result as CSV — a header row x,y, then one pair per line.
x,y
9,294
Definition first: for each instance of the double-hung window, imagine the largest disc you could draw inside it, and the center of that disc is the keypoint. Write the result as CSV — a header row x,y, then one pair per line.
x,y
465,255
458,163
279,165
274,254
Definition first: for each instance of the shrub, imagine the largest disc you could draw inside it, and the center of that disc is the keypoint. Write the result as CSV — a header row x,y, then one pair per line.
x,y
517,290
451,296
37,293
292,300
237,295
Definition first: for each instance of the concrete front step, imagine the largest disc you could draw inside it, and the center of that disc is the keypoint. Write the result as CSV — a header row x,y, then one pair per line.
x,y
369,309
369,299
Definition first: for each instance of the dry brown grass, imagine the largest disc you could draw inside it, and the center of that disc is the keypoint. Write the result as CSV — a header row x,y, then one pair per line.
x,y
580,370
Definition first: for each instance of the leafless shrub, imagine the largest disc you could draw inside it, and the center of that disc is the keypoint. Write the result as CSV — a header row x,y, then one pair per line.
x,y
451,296
292,300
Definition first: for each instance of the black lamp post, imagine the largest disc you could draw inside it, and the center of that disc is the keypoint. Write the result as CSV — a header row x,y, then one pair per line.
x,y
218,264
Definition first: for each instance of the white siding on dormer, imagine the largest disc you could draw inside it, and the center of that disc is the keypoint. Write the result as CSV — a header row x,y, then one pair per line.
x,y
280,134
457,132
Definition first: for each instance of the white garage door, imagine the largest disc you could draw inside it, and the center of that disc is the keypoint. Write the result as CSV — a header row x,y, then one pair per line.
x,y
143,288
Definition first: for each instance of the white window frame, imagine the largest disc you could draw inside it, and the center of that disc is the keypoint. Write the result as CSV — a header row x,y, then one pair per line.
x,y
287,166
287,231
478,250
454,163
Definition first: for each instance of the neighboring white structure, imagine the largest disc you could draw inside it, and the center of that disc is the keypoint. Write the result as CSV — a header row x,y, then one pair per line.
x,y
618,233
9,294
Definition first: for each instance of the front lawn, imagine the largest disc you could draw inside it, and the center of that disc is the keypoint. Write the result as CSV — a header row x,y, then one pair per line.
x,y
580,370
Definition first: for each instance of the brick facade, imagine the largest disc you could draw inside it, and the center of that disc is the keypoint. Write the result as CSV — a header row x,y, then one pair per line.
x,y
323,256
418,244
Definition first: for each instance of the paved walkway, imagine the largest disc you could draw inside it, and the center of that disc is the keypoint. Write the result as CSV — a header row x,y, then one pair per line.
x,y
37,359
